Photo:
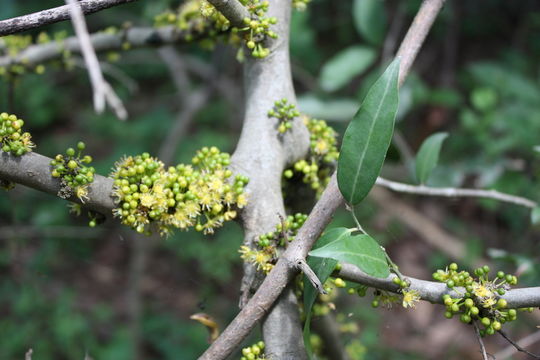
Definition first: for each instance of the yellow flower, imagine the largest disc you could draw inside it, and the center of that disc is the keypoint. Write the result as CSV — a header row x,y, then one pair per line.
x,y
147,200
410,297
481,291
82,193
241,200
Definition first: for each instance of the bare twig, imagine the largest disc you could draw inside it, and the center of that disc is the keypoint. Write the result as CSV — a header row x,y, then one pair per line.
x,y
511,349
233,10
103,92
51,16
480,341
28,355
114,72
517,346
311,276
455,192
416,35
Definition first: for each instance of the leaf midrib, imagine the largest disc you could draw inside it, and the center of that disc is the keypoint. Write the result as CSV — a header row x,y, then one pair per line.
x,y
357,175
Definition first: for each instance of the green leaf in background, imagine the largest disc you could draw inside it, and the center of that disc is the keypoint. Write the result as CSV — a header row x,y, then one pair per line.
x,y
370,20
323,268
341,68
368,137
535,215
360,250
340,109
428,156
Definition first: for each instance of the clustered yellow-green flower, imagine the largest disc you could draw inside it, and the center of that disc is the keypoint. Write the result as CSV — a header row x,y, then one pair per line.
x,y
14,45
322,157
198,17
195,17
12,138
264,255
200,195
74,173
285,113
254,352
479,298
258,27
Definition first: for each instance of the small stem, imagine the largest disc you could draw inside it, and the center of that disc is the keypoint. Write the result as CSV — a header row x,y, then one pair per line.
x,y
480,341
516,345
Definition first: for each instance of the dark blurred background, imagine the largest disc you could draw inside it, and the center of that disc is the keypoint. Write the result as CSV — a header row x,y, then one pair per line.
x,y
67,289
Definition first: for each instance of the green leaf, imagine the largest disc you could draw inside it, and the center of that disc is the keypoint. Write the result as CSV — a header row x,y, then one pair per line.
x,y
323,268
370,20
535,215
360,250
341,68
428,156
367,137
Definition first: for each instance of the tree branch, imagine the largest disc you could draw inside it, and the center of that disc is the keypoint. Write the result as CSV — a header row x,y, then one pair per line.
x,y
54,15
455,192
233,10
101,41
34,170
433,291
416,35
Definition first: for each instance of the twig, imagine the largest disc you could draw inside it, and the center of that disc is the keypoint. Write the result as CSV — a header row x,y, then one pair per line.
x,y
51,16
233,10
28,355
103,93
510,349
517,346
416,35
114,72
455,192
303,266
480,341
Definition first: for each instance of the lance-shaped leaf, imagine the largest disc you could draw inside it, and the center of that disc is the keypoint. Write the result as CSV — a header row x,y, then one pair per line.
x,y
360,250
368,137
428,156
323,268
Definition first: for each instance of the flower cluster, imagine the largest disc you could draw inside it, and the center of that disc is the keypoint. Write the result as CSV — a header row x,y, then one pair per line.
x,y
479,297
195,17
199,17
12,138
258,27
285,113
74,173
254,352
200,195
264,255
322,158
